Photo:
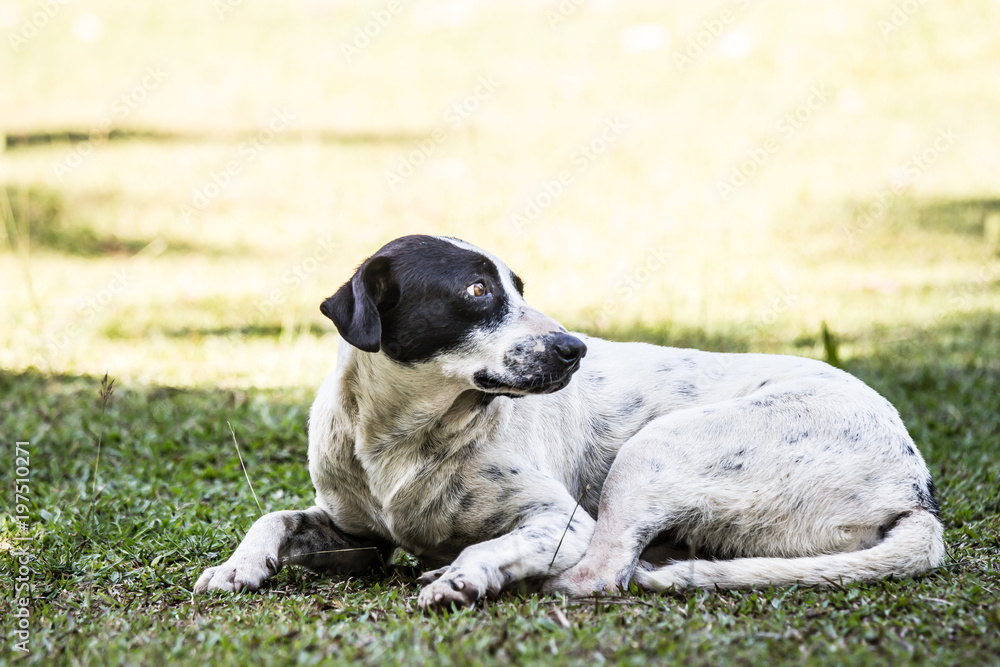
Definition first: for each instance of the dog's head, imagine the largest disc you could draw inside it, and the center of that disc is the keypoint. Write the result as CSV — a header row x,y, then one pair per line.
x,y
428,299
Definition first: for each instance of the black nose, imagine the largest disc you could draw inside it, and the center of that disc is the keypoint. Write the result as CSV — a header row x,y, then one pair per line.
x,y
569,349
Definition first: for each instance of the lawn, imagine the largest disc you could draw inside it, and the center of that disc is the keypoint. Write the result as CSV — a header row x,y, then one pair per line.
x,y
174,216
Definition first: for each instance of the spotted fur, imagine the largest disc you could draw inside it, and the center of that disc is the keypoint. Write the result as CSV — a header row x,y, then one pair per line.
x,y
457,427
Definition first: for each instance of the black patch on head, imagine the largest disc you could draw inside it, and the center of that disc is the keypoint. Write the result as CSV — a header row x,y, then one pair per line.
x,y
518,283
927,496
410,299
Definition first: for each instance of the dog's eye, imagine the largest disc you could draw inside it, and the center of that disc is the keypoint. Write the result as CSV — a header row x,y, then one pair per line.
x,y
476,289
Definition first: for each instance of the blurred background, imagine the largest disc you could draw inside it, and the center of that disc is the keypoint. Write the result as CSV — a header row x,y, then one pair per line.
x,y
182,183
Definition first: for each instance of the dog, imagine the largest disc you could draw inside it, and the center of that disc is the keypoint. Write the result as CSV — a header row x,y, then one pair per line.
x,y
473,431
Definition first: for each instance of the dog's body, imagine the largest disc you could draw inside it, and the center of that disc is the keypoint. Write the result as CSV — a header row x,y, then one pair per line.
x,y
458,426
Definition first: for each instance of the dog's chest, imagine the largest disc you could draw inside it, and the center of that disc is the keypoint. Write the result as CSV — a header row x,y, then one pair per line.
x,y
410,491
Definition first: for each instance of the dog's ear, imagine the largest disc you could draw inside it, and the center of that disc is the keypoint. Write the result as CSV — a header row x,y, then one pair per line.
x,y
354,308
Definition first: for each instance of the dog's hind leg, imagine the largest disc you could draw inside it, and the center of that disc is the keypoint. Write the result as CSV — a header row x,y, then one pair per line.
x,y
750,479
912,546
308,538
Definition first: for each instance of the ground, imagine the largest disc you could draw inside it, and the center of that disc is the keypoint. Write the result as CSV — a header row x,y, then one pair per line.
x,y
812,178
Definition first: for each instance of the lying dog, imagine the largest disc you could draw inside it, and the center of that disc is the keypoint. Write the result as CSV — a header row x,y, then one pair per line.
x,y
477,434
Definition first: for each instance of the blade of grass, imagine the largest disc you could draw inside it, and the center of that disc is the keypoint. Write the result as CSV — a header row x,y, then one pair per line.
x,y
245,473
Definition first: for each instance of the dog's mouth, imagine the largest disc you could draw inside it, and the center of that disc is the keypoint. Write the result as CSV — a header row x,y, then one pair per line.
x,y
540,383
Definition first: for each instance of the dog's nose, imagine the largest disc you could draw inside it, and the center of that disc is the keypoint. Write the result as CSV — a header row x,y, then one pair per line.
x,y
569,349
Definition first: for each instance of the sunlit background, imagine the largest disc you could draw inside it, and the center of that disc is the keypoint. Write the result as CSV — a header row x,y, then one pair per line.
x,y
182,183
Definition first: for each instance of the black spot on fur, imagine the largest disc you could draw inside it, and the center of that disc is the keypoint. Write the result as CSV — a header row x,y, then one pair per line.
x,y
927,497
795,437
527,510
852,434
687,391
494,525
633,402
764,402
763,384
493,473
467,501
601,428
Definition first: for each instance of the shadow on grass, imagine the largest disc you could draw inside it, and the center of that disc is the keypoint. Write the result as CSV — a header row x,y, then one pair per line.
x,y
22,140
41,217
970,217
975,217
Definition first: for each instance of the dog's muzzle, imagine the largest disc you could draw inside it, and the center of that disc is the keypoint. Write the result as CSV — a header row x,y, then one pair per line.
x,y
536,365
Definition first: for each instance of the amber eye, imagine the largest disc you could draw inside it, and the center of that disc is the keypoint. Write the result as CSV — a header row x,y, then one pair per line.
x,y
476,289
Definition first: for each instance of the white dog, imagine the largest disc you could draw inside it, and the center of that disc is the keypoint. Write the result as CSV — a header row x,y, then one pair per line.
x,y
471,430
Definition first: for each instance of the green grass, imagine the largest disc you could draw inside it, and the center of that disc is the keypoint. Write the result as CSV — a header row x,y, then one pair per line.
x,y
113,574
212,318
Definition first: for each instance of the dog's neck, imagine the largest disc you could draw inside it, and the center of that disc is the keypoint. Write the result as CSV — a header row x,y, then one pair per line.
x,y
393,404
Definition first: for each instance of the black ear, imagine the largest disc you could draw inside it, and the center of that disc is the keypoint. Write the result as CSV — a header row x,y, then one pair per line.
x,y
354,308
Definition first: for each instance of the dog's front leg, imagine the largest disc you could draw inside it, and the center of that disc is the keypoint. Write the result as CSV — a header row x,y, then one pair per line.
x,y
543,545
309,538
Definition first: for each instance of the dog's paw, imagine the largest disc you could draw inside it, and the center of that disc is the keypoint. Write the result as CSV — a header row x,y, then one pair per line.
x,y
430,576
577,581
237,574
448,587
582,581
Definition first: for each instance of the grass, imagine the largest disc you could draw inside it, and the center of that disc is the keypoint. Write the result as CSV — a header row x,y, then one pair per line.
x,y
114,571
847,243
